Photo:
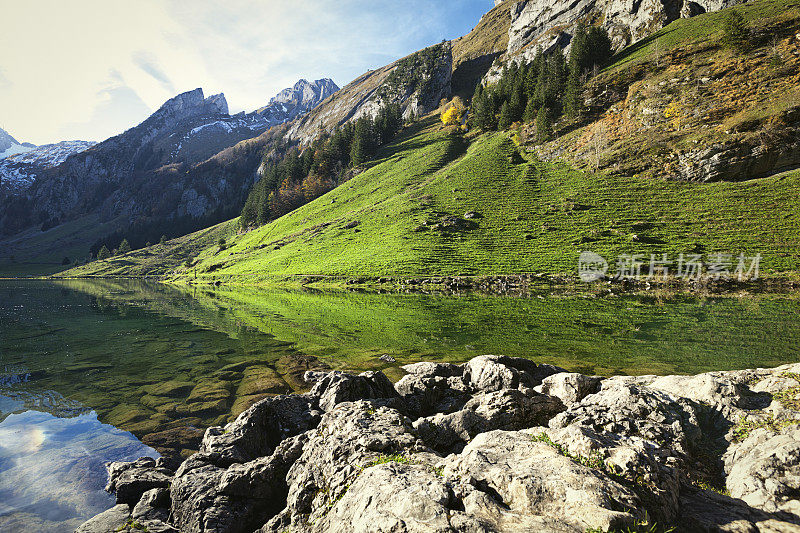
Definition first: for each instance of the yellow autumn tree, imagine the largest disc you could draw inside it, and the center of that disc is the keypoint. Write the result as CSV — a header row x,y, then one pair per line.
x,y
673,114
451,116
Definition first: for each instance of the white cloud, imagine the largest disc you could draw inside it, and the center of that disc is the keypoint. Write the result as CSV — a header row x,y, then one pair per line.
x,y
58,57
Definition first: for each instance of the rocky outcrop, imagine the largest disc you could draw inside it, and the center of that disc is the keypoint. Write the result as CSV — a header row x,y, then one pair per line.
x,y
735,161
297,100
496,444
541,23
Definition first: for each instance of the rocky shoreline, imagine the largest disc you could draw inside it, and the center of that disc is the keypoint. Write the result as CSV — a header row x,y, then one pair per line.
x,y
496,444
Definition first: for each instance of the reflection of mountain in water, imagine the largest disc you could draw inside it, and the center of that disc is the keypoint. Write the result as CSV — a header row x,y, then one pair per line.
x,y
46,401
16,400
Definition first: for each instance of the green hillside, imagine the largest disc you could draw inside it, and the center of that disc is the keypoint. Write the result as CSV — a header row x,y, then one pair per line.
x,y
533,217
39,253
159,259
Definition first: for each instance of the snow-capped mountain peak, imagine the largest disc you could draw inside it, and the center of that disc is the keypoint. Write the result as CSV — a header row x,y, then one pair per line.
x,y
19,170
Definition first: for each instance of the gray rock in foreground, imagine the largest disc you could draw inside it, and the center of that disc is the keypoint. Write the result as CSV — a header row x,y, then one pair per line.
x,y
497,444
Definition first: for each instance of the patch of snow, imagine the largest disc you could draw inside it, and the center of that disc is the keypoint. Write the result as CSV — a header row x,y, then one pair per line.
x,y
14,149
51,155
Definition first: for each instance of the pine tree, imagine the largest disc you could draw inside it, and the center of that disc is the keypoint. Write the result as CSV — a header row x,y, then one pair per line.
x,y
535,69
361,148
555,79
505,116
503,83
579,53
104,253
482,111
544,128
591,48
250,210
124,247
598,45
517,103
573,104
530,112
478,92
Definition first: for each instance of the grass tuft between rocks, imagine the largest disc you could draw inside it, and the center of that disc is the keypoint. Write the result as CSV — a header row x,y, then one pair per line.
x,y
745,426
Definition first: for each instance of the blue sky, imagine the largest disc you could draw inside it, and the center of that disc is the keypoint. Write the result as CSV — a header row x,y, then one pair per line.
x,y
89,69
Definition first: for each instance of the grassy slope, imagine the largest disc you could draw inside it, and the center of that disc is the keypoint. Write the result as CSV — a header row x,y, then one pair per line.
x,y
158,259
535,216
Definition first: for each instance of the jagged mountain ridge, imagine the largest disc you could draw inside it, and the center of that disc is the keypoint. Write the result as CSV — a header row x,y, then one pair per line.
x,y
297,100
177,133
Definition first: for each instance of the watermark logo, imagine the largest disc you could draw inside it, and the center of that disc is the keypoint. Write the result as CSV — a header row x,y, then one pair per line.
x,y
690,267
591,266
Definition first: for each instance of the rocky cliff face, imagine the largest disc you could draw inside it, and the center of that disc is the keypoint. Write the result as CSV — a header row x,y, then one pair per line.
x,y
547,23
298,100
498,444
536,23
416,82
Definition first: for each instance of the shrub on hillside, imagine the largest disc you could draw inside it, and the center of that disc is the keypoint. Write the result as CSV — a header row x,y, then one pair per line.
x,y
735,33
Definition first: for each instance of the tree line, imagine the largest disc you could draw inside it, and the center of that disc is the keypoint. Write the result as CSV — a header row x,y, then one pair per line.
x,y
544,89
296,176
146,233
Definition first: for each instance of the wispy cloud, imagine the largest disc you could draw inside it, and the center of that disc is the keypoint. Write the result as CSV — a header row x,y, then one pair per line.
x,y
149,64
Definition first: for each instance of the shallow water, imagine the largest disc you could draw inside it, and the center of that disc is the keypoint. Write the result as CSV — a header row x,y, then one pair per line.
x,y
92,371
